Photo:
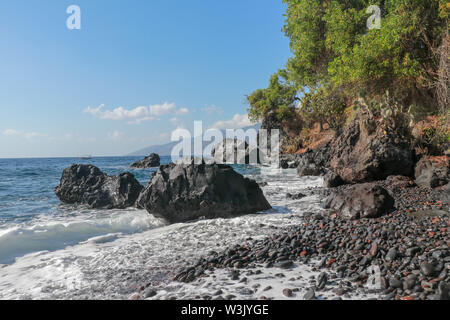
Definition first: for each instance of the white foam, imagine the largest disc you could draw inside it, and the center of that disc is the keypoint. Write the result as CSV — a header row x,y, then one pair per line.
x,y
51,235
112,260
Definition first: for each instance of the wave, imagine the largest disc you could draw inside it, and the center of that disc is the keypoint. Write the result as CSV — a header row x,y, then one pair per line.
x,y
111,256
54,235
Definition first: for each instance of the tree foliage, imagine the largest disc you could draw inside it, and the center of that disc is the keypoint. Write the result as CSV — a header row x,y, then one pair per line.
x,y
324,105
276,101
336,55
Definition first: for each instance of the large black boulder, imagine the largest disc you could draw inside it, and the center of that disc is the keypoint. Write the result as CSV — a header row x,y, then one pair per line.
x,y
366,200
151,161
368,151
185,192
313,162
86,184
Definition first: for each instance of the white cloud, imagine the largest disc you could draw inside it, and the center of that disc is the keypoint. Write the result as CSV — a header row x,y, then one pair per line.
x,y
162,109
136,115
212,109
32,135
177,122
183,111
11,132
26,135
238,122
119,113
140,120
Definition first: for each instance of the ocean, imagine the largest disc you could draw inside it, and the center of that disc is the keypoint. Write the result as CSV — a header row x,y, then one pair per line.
x,y
49,250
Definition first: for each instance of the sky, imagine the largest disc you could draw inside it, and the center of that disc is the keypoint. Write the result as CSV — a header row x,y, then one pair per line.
x,y
134,72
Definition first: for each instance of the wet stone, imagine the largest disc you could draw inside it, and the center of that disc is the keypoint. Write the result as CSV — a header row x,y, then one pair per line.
x,y
148,293
310,295
412,251
426,268
391,255
288,293
395,283
284,264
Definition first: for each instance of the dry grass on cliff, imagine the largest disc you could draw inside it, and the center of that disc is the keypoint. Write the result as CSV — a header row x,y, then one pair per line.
x,y
309,139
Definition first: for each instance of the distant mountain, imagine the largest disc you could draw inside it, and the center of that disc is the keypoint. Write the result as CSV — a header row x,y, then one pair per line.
x,y
166,149
162,150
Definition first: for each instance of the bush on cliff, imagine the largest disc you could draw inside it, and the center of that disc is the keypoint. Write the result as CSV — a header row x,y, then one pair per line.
x,y
277,101
337,61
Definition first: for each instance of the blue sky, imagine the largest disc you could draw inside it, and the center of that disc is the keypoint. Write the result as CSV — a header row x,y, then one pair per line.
x,y
135,71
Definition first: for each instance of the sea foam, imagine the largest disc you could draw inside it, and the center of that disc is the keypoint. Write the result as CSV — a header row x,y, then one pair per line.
x,y
48,235
108,254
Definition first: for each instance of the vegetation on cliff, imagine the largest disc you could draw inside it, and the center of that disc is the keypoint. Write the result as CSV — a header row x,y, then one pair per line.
x,y
398,70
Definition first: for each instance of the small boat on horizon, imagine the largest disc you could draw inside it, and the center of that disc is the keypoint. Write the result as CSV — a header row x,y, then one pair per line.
x,y
85,157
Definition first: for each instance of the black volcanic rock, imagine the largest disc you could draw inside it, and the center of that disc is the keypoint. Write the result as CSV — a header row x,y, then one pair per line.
x,y
290,161
366,152
433,172
332,180
410,247
367,200
151,161
86,184
185,192
313,162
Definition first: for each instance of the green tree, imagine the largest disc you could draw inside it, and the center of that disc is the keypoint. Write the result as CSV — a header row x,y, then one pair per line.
x,y
332,46
324,105
337,60
277,101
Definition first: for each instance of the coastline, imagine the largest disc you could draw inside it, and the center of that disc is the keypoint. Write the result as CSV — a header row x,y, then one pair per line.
x,y
400,256
294,150
115,266
143,265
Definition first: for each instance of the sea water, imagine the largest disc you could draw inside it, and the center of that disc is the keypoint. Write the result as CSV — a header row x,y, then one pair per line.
x,y
49,250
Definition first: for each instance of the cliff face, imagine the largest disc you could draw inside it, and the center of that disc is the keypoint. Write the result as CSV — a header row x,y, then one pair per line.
x,y
367,151
290,140
296,138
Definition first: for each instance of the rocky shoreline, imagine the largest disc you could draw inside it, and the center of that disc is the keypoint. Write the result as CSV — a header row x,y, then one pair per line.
x,y
378,220
383,229
410,248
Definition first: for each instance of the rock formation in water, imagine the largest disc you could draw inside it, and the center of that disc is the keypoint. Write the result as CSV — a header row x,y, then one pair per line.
x,y
86,184
182,192
151,161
